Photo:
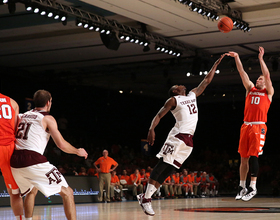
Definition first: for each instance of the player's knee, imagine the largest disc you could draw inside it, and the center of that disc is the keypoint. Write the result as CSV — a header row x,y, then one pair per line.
x,y
66,192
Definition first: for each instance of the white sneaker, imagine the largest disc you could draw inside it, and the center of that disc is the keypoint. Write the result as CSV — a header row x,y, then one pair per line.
x,y
250,194
241,192
146,204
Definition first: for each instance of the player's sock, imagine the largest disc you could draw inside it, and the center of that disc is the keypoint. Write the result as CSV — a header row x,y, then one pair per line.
x,y
253,185
20,217
242,183
150,191
28,218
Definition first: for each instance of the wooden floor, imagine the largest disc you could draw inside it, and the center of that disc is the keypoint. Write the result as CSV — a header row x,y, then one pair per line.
x,y
171,209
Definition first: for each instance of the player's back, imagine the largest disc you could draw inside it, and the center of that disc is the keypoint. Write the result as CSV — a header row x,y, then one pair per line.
x,y
31,134
7,121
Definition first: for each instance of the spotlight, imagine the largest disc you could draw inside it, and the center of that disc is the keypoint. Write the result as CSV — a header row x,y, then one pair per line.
x,y
121,36
28,7
194,7
50,14
79,22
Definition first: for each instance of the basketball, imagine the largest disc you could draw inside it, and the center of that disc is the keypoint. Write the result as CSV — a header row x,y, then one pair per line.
x,y
225,24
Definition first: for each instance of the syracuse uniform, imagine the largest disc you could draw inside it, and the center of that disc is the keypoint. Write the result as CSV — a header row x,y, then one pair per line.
x,y
7,141
253,131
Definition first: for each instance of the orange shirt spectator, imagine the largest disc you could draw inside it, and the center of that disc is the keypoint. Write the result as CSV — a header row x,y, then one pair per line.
x,y
105,164
190,178
134,179
115,179
176,179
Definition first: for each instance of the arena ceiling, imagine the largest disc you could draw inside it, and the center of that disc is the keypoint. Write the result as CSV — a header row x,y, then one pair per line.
x,y
34,45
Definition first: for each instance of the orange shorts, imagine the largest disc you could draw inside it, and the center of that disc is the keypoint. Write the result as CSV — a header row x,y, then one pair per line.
x,y
252,139
5,155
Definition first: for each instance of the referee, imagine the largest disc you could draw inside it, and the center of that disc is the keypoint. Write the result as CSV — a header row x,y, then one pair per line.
x,y
105,168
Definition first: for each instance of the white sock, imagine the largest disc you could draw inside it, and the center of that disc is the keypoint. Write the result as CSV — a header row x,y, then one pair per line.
x,y
28,218
20,217
242,183
253,185
150,191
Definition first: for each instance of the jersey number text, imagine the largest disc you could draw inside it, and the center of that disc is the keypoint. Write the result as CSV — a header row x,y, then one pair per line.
x,y
6,111
23,129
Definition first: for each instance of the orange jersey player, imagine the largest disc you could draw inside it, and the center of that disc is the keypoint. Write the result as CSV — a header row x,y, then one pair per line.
x,y
253,130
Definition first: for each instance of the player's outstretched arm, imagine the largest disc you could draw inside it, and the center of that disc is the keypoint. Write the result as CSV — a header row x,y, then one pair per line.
x,y
244,76
266,74
208,78
169,104
50,123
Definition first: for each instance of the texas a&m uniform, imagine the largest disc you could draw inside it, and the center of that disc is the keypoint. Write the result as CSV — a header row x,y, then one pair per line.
x,y
29,167
253,131
179,144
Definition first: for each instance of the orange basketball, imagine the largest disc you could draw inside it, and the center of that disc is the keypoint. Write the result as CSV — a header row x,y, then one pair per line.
x,y
225,24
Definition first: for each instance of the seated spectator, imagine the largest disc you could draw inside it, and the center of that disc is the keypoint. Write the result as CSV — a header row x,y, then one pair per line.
x,y
204,184
214,185
184,181
177,185
124,179
83,172
92,171
144,178
116,191
190,181
134,184
197,182
167,187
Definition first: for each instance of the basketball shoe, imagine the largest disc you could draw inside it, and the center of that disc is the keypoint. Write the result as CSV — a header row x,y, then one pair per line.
x,y
146,204
250,194
241,192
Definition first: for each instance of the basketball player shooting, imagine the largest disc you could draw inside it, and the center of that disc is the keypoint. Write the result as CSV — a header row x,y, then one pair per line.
x,y
179,144
253,130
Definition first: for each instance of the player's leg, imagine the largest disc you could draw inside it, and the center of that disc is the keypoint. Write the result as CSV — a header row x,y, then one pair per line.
x,y
257,140
68,202
12,188
252,190
16,204
243,171
29,202
161,171
244,160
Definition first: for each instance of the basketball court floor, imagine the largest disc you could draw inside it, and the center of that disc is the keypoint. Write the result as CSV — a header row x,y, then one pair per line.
x,y
225,208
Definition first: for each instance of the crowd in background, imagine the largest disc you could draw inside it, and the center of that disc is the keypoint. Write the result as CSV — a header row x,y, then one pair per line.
x,y
221,164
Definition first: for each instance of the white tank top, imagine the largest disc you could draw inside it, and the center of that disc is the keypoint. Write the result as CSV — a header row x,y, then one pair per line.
x,y
186,113
31,134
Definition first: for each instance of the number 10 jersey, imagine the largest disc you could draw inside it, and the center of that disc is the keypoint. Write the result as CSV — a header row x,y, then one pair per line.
x,y
257,104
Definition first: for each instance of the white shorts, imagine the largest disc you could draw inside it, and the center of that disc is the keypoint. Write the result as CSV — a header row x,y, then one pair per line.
x,y
175,151
44,176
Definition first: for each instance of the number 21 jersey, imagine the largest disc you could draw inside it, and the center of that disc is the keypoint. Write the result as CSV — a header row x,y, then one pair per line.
x,y
257,104
31,134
